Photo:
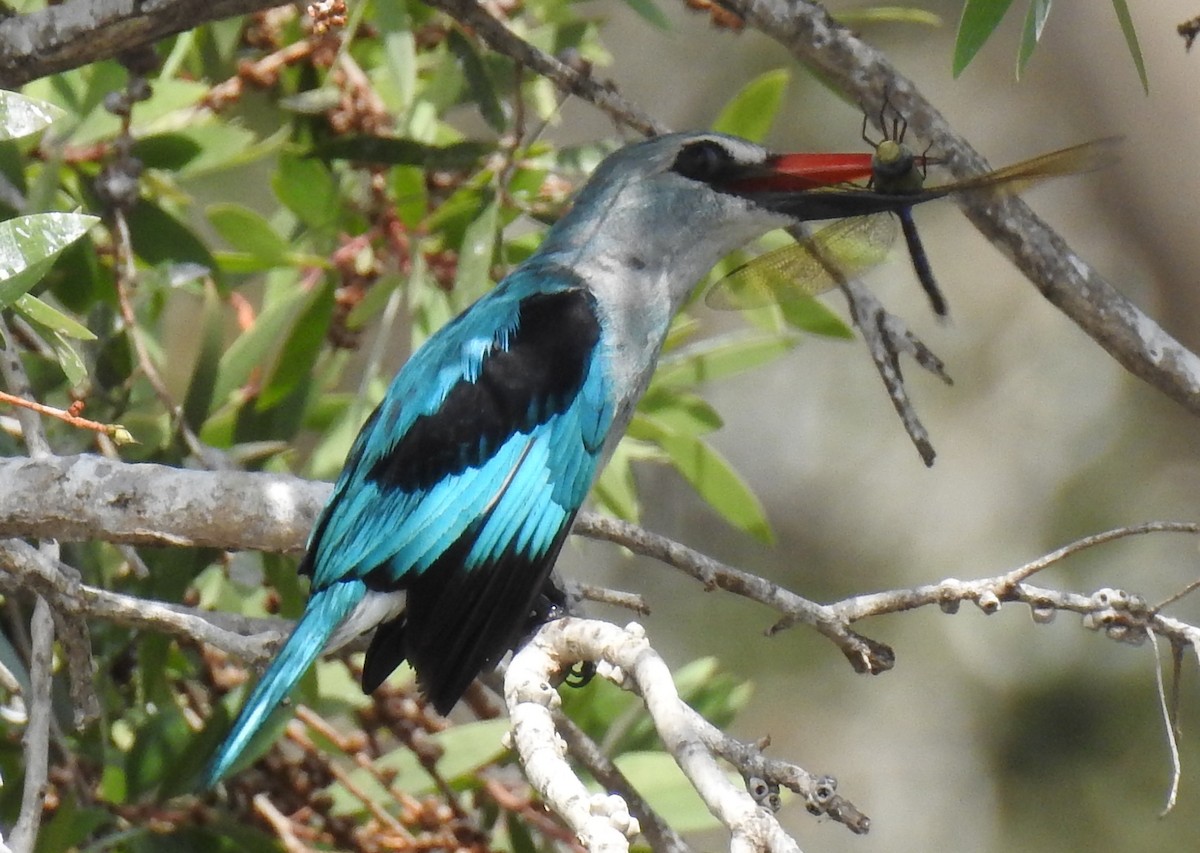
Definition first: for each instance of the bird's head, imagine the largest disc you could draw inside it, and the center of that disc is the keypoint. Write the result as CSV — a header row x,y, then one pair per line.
x,y
672,206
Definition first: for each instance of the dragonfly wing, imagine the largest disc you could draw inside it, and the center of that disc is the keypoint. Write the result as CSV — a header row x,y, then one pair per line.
x,y
807,268
1011,180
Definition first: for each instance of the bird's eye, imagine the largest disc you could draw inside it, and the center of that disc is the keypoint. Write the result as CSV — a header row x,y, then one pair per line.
x,y
705,161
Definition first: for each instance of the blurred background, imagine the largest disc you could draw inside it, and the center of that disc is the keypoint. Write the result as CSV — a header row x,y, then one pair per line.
x,y
992,733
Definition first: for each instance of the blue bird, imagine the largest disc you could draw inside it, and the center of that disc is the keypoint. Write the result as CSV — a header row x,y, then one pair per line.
x,y
459,491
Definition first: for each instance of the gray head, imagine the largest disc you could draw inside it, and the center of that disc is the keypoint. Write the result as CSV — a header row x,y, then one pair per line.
x,y
670,207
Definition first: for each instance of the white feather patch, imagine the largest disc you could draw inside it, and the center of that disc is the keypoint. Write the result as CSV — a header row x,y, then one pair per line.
x,y
375,609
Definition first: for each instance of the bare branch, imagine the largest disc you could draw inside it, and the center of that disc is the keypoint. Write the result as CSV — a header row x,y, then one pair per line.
x,y
26,568
601,823
624,656
500,38
90,498
38,702
1169,725
886,337
82,498
77,32
36,740
660,835
865,655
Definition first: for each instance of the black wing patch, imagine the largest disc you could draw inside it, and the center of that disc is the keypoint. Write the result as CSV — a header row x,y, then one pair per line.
x,y
535,377
459,623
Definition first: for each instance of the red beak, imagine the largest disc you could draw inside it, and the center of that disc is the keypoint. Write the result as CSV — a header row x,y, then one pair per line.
x,y
797,172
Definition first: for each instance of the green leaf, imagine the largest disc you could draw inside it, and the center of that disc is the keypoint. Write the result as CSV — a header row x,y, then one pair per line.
x,y
51,318
615,489
199,399
248,232
1031,32
650,12
1131,41
295,362
721,357
160,238
979,20
814,316
194,151
400,52
29,244
888,15
254,348
658,778
478,80
161,739
70,825
751,111
709,474
329,455
389,150
21,116
308,189
681,411
715,695
68,358
167,96
473,276
378,296
411,194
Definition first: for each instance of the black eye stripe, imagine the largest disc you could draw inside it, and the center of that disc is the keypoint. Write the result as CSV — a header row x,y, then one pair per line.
x,y
707,161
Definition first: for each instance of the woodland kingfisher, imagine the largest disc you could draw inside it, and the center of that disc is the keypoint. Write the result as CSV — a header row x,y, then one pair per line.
x,y
456,497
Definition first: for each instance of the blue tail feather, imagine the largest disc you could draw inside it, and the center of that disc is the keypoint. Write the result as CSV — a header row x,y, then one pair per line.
x,y
326,609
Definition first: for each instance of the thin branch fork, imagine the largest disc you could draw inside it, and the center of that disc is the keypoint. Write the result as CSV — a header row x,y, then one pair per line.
x,y
623,655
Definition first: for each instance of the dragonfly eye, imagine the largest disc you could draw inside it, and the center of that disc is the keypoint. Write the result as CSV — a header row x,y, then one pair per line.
x,y
894,168
706,161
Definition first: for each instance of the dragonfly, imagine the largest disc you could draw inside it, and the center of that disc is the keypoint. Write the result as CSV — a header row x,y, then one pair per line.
x,y
852,246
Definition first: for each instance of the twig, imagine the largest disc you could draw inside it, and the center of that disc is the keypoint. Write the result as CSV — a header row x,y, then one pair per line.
x,y
36,740
624,656
819,792
886,336
126,275
116,432
1169,726
526,807
660,835
1102,538
26,568
614,597
39,710
78,32
18,385
500,38
865,655
296,733
280,824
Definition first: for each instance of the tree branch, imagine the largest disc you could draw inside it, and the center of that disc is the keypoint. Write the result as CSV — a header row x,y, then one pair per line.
x,y
498,37
81,498
624,656
91,498
77,32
